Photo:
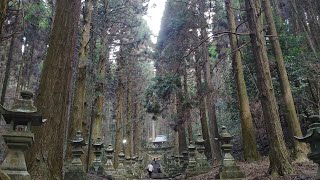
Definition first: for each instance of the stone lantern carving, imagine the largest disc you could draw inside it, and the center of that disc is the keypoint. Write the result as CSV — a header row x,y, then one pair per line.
x,y
109,155
120,171
185,155
75,169
21,117
228,167
201,159
313,138
192,160
97,163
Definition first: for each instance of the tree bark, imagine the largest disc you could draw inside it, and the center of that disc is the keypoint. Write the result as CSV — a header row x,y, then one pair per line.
x,y
303,25
202,111
12,51
210,103
128,121
187,113
3,14
181,122
76,117
247,127
300,149
45,158
278,155
98,103
119,116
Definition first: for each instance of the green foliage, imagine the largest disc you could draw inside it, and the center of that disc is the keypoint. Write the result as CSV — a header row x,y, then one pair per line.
x,y
160,90
38,14
212,52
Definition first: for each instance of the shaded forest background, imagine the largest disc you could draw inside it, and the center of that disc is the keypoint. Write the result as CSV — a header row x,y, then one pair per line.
x,y
93,66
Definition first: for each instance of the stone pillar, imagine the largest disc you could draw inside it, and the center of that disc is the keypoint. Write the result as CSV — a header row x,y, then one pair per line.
x,y
228,169
192,161
75,169
109,168
177,163
185,155
97,151
120,171
21,117
201,159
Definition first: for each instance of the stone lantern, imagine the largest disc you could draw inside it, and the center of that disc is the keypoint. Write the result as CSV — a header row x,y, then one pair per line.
x,y
21,117
75,169
192,161
109,155
185,155
313,138
201,159
228,168
121,161
97,163
109,168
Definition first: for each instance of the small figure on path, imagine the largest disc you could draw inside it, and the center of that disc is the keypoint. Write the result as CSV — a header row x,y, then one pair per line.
x,y
150,169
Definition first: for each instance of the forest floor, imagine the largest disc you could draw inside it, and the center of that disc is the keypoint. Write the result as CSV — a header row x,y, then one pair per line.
x,y
255,171
258,171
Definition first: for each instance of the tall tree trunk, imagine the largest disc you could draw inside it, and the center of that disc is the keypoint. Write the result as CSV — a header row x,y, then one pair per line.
x,y
12,51
202,110
187,113
3,14
128,119
45,158
119,116
210,103
300,149
277,9
137,129
278,155
98,103
180,121
247,128
299,17
8,70
77,110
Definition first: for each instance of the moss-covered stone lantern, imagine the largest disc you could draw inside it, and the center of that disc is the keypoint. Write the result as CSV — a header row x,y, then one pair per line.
x,y
192,160
97,162
313,138
75,169
228,167
21,117
109,155
201,159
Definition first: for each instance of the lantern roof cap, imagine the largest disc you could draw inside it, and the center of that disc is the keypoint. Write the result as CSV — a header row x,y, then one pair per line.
x,y
22,110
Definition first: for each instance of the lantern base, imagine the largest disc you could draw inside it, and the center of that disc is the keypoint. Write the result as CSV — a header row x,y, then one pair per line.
x,y
14,164
21,175
75,172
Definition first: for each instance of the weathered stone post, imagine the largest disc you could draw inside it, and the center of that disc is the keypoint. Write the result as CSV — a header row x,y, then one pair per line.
x,y
192,161
109,168
313,138
185,155
228,168
120,171
22,116
201,159
97,163
75,169
128,166
181,161
177,163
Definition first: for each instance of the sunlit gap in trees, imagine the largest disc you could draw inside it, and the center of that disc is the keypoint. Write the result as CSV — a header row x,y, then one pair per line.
x,y
153,17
